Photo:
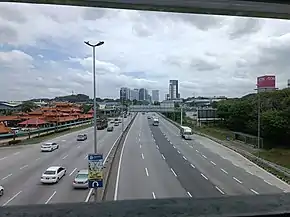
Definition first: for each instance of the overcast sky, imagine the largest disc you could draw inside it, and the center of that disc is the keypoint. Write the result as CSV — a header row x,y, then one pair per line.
x,y
42,53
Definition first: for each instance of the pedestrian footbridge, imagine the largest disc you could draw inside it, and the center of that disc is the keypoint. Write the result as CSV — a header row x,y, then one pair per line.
x,y
151,108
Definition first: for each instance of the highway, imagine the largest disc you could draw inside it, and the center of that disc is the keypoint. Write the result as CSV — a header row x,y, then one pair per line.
x,y
22,166
157,163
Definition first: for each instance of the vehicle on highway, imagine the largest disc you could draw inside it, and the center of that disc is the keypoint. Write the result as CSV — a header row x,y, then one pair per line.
x,y
116,123
186,132
1,190
81,179
143,113
49,146
148,117
53,175
155,122
110,128
82,137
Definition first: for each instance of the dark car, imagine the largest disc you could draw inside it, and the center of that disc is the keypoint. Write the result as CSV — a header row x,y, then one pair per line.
x,y
110,129
82,137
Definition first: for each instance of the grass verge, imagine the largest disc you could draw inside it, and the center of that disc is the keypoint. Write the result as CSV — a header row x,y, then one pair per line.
x,y
52,135
278,155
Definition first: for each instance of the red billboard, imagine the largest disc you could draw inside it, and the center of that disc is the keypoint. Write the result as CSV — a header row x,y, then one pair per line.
x,y
266,81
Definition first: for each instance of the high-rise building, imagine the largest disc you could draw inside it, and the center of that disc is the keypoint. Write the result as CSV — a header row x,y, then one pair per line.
x,y
155,95
288,83
134,94
173,89
166,96
143,94
124,93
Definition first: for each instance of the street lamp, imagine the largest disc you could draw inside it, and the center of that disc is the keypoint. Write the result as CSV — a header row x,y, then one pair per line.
x,y
95,102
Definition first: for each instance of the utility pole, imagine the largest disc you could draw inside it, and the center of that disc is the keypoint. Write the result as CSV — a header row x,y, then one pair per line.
x,y
181,115
95,101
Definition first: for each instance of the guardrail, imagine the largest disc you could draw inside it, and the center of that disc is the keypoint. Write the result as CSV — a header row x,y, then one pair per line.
x,y
277,170
41,130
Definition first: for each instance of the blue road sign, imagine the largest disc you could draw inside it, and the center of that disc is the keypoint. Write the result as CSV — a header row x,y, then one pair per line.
x,y
95,176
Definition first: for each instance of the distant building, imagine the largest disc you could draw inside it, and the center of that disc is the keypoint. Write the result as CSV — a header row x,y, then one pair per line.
x,y
124,93
143,94
134,94
155,95
288,83
173,89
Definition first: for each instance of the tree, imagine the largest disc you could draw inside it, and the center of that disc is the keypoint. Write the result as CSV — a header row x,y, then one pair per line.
x,y
28,106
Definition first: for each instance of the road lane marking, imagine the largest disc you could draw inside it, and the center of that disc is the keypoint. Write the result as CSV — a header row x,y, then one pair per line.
x,y
204,176
7,176
3,158
189,194
63,140
140,146
252,190
178,151
191,146
146,171
267,182
142,155
50,197
65,157
86,157
173,172
23,166
37,159
12,198
153,195
73,171
174,146
224,171
184,158
219,190
237,180
120,162
250,172
16,153
192,165
197,150
203,156
163,156
213,163
157,146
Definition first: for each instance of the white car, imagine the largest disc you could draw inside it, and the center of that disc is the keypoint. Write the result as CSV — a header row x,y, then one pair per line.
x,y
53,175
1,190
49,146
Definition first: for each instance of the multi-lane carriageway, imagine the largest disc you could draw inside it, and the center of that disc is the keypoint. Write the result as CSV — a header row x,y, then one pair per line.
x,y
155,163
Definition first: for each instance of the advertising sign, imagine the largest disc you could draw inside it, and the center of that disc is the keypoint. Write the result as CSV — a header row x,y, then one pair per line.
x,y
266,81
95,176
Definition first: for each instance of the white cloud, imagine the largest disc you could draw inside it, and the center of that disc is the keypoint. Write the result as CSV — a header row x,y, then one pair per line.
x,y
42,52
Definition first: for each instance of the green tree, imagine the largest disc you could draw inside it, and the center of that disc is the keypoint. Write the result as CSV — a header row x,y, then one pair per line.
x,y
28,106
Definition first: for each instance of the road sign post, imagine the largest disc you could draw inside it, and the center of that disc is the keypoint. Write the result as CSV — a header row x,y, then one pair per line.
x,y
95,176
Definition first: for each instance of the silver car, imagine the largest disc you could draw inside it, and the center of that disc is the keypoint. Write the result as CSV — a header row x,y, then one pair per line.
x,y
81,179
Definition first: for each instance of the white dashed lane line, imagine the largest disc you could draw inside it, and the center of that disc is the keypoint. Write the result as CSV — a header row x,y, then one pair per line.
x,y
153,195
37,159
23,166
213,163
142,155
184,158
146,171
3,158
17,153
267,182
197,150
237,180
162,156
252,190
73,171
6,176
12,198
178,151
189,194
66,157
204,176
204,156
224,171
192,165
50,197
173,172
219,190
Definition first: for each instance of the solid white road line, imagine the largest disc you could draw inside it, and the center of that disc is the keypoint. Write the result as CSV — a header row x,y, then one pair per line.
x,y
219,190
204,176
23,166
153,195
146,171
119,166
12,198
173,172
73,171
254,191
189,194
50,197
7,176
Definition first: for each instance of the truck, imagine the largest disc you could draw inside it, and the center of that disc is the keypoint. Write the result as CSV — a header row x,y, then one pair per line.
x,y
186,132
102,123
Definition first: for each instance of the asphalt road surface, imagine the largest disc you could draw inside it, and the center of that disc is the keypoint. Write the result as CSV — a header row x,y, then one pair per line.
x,y
225,169
21,168
157,163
